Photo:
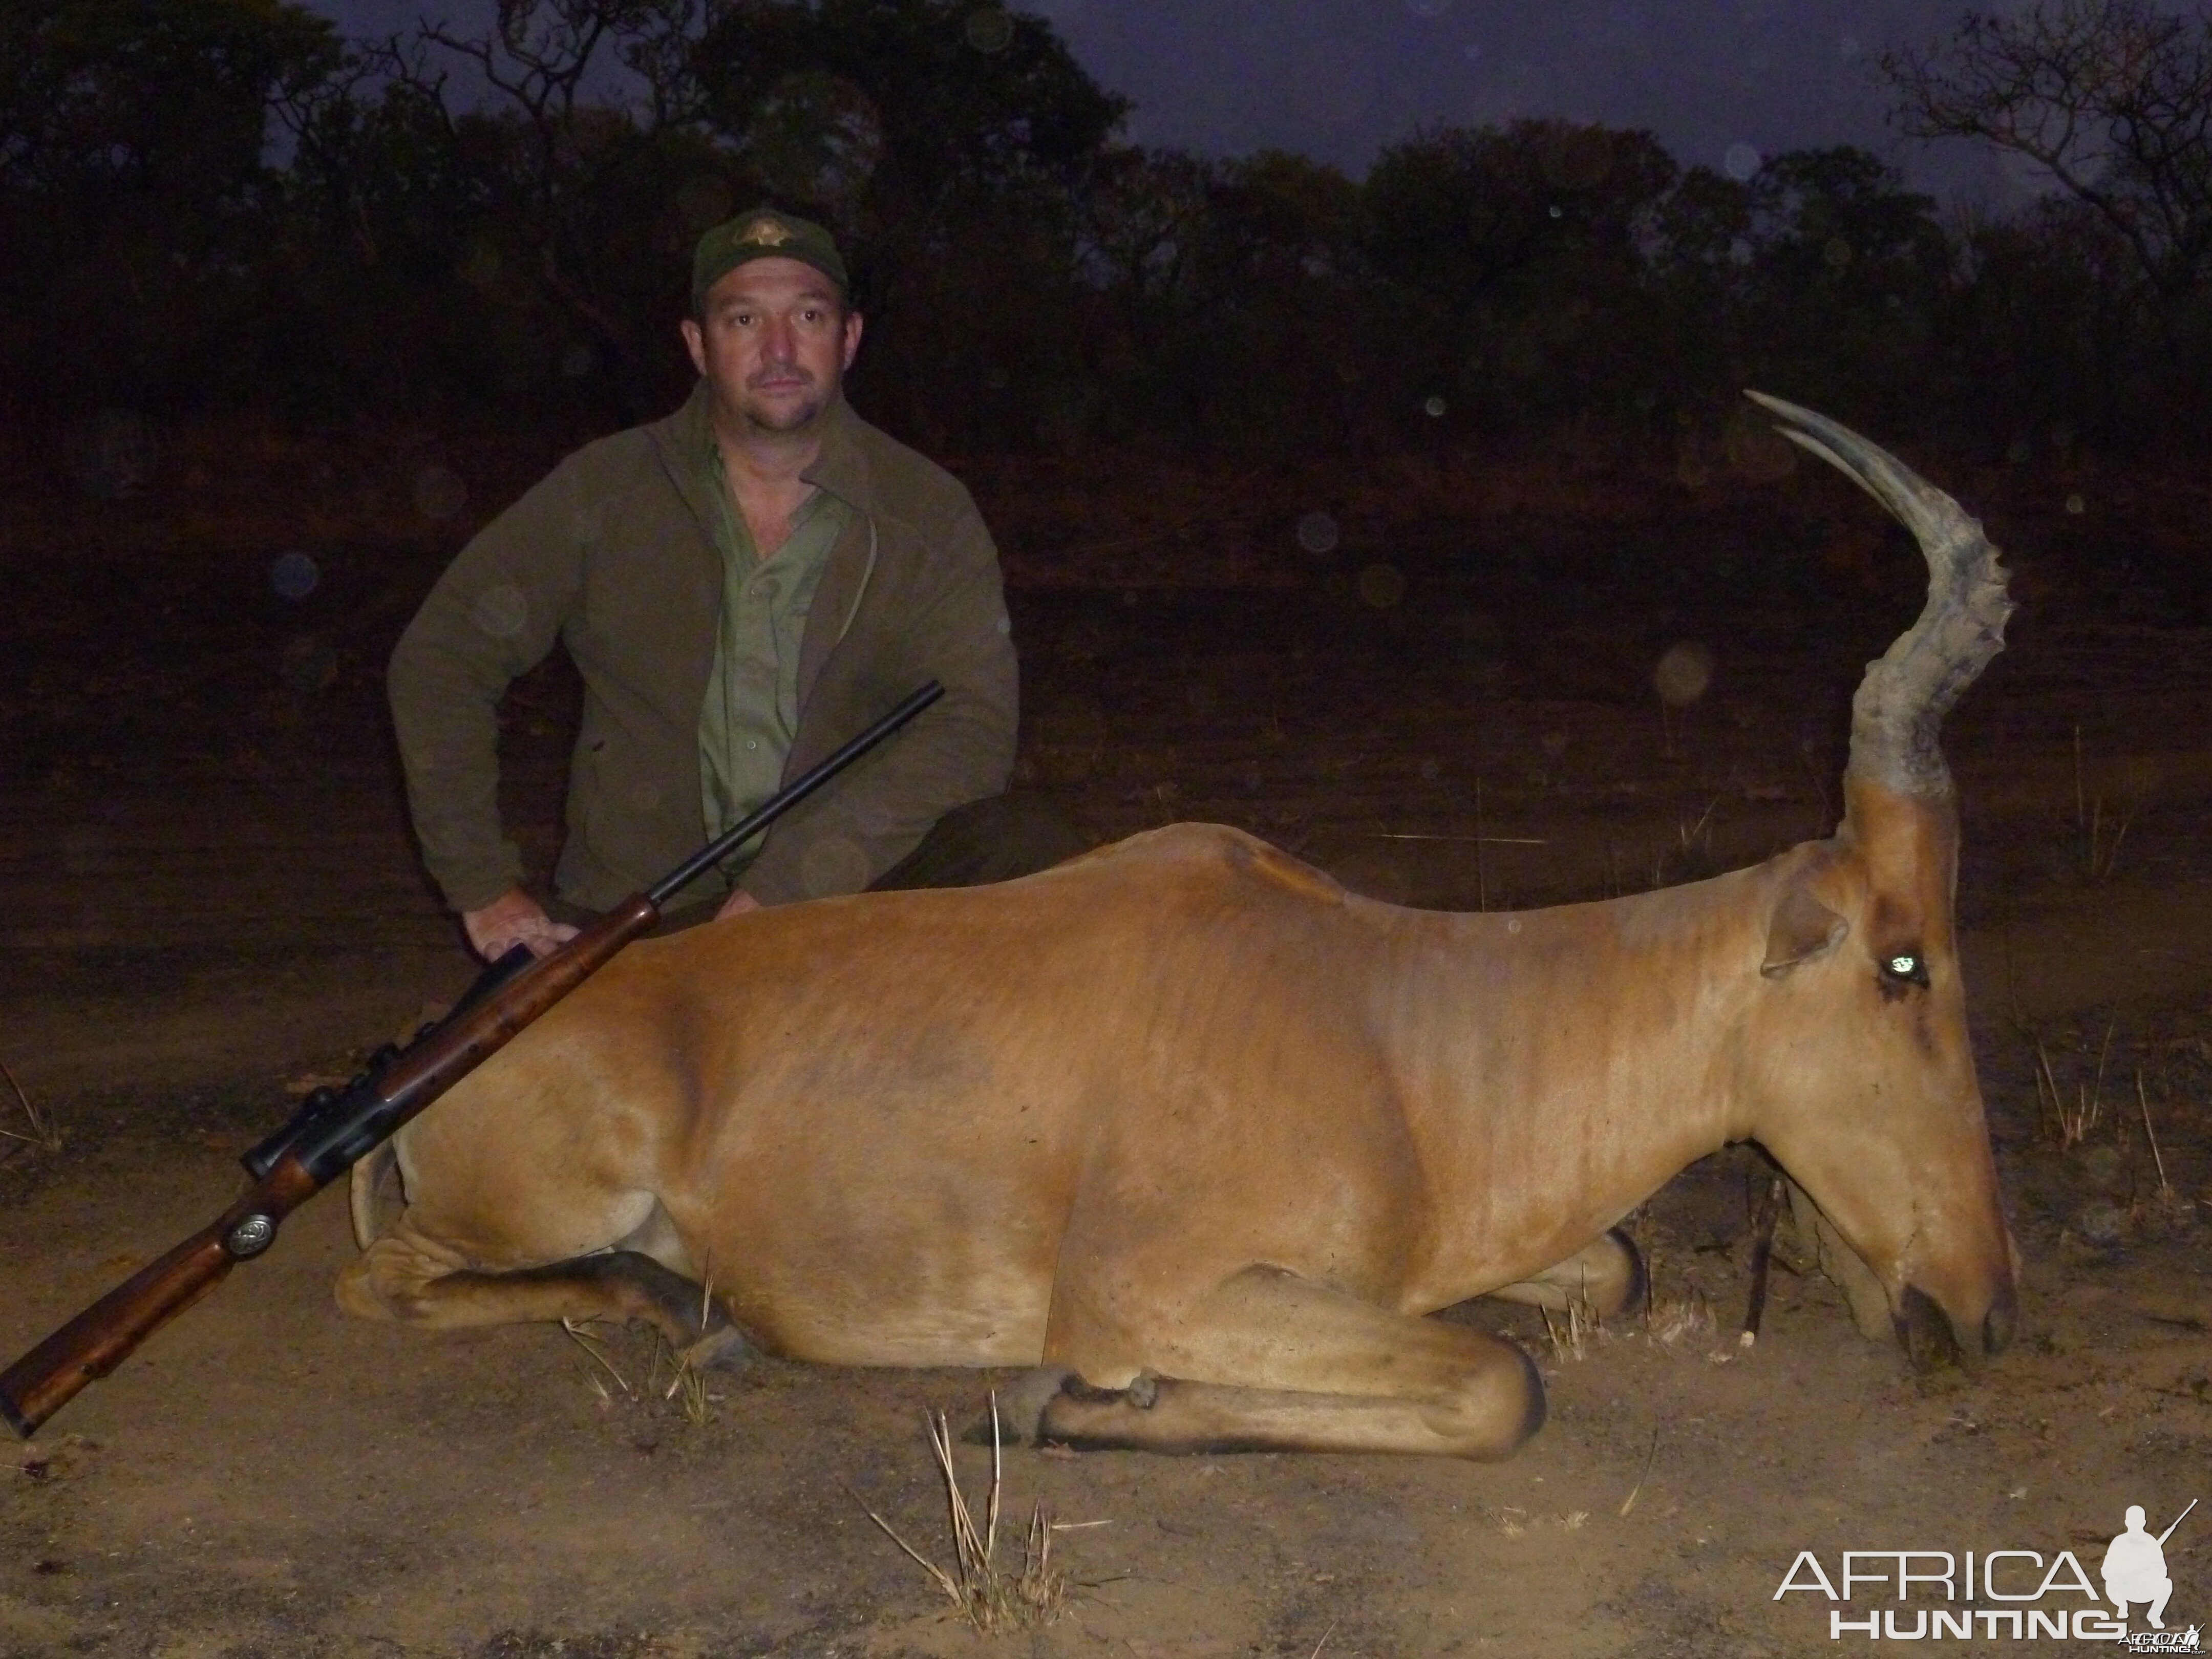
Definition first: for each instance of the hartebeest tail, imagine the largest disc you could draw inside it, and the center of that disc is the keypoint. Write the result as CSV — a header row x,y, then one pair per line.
x,y
1203,1139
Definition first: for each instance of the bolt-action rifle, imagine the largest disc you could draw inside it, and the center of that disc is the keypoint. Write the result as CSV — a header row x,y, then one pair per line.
x,y
334,1127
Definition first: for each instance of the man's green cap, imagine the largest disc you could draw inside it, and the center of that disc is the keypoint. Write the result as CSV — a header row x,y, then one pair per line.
x,y
764,233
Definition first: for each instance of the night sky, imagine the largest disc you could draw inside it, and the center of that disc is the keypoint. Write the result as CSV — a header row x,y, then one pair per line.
x,y
1339,79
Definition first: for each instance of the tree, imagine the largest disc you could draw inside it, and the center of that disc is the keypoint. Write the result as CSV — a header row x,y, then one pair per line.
x,y
901,120
2113,98
2045,330
1698,278
1525,245
1849,271
134,191
951,144
573,179
133,97
1292,345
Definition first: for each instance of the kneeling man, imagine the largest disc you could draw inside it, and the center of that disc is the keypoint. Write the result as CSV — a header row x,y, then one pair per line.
x,y
2135,1569
744,586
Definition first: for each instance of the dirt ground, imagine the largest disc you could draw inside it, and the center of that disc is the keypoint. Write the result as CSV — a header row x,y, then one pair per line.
x,y
209,899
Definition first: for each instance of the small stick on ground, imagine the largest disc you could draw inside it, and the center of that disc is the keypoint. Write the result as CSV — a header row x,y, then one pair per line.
x,y
2047,1083
1487,841
2073,1127
2081,790
2104,1053
1481,875
46,1133
1637,1490
1762,1257
2165,1186
1650,1277
599,1353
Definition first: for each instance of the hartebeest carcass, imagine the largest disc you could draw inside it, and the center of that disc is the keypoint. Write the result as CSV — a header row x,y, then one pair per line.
x,y
1202,1137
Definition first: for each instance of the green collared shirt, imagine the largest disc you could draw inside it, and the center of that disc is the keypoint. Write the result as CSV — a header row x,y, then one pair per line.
x,y
751,708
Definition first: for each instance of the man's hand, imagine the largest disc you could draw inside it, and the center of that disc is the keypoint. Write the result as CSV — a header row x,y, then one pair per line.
x,y
737,904
512,918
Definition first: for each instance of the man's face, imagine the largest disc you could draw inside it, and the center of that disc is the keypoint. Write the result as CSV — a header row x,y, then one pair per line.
x,y
774,344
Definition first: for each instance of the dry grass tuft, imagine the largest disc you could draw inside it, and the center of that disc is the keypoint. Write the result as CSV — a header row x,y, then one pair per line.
x,y
44,1133
2072,1120
994,1599
1572,1330
2166,1205
2096,838
598,1351
1673,1321
1669,1321
685,1384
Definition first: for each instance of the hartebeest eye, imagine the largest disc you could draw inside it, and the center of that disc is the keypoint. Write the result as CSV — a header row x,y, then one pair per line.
x,y
1905,967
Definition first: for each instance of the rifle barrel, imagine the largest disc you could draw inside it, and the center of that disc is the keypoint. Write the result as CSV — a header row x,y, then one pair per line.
x,y
790,795
2177,1520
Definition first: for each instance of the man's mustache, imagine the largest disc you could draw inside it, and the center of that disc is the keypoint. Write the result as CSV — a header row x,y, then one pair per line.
x,y
784,372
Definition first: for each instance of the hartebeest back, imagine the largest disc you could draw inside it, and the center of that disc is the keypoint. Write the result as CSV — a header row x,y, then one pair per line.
x,y
1201,1137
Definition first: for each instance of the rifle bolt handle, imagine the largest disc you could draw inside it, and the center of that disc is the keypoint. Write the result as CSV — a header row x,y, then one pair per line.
x,y
252,1236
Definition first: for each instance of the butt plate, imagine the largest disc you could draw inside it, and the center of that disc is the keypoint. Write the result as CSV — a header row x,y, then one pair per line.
x,y
23,1426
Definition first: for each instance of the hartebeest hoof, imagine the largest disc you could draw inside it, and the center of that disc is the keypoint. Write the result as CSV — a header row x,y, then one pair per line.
x,y
1491,1417
724,1347
1020,1409
1606,1277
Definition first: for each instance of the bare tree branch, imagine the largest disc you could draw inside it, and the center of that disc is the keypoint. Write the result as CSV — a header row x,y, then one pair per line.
x,y
588,95
2112,98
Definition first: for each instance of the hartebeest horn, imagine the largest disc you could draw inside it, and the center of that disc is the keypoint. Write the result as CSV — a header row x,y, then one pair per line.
x,y
1899,706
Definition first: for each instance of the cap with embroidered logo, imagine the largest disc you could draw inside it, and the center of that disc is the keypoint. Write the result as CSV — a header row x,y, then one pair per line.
x,y
761,234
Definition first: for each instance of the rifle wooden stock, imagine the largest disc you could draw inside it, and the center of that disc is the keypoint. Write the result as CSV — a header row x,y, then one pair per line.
x,y
329,1134
109,1332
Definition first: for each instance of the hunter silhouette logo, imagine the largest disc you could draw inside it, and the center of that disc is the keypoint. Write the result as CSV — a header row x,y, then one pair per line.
x,y
2134,1567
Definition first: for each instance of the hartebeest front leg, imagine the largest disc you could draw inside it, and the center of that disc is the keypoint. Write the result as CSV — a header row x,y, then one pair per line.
x,y
409,1270
396,1278
1271,1362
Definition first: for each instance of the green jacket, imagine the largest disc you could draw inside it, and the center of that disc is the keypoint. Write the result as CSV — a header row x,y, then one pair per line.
x,y
613,554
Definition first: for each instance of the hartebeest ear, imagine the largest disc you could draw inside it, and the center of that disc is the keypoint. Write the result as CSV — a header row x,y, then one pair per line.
x,y
1801,928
